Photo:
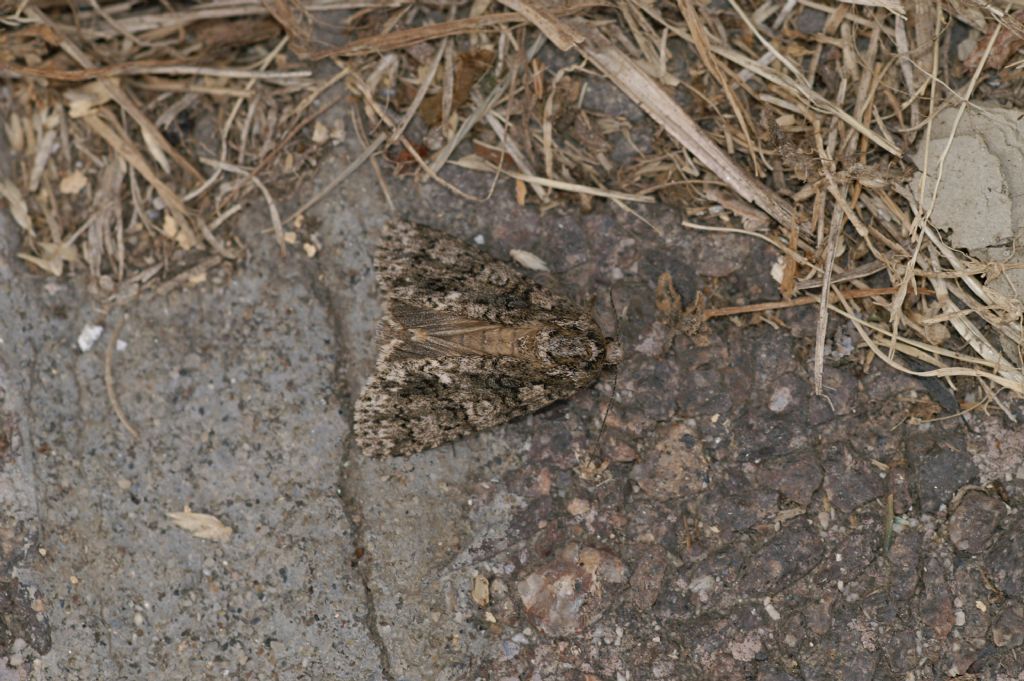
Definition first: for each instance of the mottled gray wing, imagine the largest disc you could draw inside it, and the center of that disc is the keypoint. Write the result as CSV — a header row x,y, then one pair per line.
x,y
416,404
429,269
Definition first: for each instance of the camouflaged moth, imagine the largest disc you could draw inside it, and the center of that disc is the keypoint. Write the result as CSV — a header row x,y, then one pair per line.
x,y
466,343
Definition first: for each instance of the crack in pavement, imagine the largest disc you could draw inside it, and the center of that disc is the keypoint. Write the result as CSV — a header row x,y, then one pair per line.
x,y
350,504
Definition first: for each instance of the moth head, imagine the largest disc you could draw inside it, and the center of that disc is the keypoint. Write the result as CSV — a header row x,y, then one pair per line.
x,y
612,351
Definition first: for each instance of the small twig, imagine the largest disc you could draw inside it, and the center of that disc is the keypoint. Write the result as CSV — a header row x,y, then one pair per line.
x,y
804,300
478,163
108,378
275,215
152,67
398,40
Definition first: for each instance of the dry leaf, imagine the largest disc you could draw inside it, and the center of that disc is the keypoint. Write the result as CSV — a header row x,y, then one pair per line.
x,y
1007,44
84,100
220,34
338,134
44,149
16,204
73,183
15,133
529,260
54,267
53,256
894,6
201,525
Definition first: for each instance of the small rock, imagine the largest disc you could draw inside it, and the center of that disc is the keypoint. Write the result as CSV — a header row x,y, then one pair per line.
x,y
1003,560
1008,630
747,649
850,481
796,475
936,606
819,619
780,399
481,593
529,260
578,506
676,467
88,337
645,584
975,519
571,591
791,552
509,649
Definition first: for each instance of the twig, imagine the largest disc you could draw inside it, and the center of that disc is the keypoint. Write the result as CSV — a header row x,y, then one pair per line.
x,y
108,378
804,300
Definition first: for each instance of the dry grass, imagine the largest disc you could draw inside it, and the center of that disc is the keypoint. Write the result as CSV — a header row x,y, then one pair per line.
x,y
139,132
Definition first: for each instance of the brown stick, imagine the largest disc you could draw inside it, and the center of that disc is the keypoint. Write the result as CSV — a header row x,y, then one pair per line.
x,y
108,379
804,300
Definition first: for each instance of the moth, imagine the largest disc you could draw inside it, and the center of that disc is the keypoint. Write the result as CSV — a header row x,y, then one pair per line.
x,y
466,343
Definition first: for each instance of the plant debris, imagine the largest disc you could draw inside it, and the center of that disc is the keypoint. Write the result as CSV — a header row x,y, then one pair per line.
x,y
202,525
139,133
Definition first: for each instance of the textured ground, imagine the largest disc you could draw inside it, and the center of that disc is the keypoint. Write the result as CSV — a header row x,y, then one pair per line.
x,y
725,524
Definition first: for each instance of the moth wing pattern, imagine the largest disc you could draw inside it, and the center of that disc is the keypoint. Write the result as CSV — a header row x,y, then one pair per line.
x,y
429,269
439,375
416,404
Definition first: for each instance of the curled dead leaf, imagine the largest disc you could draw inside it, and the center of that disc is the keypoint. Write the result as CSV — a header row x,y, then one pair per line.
x,y
201,525
16,204
73,183
52,257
